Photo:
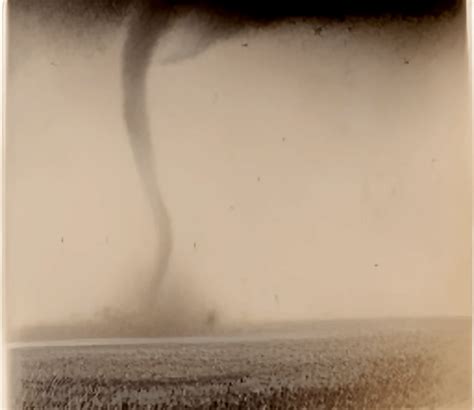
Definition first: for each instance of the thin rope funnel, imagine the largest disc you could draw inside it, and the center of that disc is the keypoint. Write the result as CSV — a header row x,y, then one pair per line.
x,y
144,31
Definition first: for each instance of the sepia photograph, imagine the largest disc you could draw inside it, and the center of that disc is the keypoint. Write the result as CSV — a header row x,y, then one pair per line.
x,y
237,204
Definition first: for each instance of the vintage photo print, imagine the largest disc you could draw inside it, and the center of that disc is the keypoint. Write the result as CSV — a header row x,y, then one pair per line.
x,y
237,204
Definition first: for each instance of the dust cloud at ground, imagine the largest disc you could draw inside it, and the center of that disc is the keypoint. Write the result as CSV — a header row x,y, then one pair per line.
x,y
311,171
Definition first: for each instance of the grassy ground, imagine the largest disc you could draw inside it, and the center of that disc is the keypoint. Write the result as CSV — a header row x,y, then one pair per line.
x,y
377,366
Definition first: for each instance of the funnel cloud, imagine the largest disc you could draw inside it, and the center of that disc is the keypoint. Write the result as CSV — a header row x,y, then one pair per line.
x,y
143,33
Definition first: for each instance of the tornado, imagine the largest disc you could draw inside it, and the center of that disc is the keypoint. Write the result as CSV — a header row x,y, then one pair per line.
x,y
145,28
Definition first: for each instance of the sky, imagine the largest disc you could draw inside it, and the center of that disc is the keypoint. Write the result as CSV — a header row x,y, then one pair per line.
x,y
310,171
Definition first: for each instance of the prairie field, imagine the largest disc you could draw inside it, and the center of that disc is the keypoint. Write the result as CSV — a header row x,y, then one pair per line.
x,y
322,365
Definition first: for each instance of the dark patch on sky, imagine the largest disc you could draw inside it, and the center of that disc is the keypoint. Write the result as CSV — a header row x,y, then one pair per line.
x,y
241,11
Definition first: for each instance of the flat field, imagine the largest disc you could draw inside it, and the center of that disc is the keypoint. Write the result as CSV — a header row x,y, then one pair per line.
x,y
322,365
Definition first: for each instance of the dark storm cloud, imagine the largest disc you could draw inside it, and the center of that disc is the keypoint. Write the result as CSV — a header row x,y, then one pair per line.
x,y
243,11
